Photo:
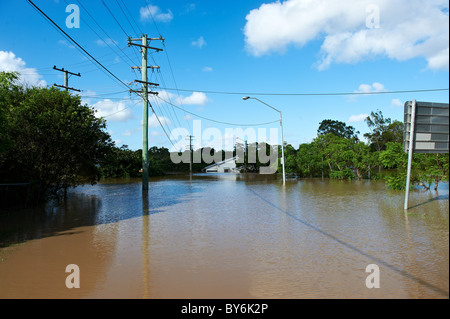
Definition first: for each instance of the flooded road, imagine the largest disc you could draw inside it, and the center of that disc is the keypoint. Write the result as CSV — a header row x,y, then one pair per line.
x,y
229,236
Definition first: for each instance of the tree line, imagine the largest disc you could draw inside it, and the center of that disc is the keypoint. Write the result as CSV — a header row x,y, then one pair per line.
x,y
50,141
338,153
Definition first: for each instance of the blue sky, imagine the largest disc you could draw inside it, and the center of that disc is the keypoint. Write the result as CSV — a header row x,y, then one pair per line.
x,y
271,47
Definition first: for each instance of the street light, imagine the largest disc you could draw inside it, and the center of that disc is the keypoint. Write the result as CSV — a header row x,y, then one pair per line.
x,y
245,98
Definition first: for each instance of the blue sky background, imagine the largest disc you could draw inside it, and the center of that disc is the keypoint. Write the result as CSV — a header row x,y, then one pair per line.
x,y
292,46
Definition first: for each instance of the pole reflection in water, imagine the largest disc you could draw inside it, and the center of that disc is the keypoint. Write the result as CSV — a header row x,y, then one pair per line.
x,y
146,243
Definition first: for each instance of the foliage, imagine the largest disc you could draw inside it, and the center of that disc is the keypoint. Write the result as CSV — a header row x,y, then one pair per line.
x,y
337,153
56,142
122,162
310,160
337,128
426,168
431,168
363,160
290,154
7,89
383,131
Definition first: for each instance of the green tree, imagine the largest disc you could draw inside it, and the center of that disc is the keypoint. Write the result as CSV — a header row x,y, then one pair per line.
x,y
8,90
337,128
290,154
122,162
431,168
362,159
310,160
337,153
383,131
426,169
57,142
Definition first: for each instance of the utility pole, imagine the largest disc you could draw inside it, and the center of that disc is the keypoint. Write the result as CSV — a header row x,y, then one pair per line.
x,y
145,92
245,156
66,79
190,137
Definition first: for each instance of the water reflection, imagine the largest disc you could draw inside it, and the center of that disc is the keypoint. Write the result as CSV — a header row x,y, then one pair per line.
x,y
146,243
230,236
109,202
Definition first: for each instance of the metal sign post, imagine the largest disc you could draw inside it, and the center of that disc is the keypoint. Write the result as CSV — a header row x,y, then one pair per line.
x,y
410,152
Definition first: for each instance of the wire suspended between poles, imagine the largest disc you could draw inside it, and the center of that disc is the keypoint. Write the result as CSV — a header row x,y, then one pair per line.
x,y
145,92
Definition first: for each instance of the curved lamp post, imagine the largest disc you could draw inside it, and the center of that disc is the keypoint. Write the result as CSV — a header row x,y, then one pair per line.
x,y
282,140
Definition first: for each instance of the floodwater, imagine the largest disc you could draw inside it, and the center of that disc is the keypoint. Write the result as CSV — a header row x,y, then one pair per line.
x,y
229,236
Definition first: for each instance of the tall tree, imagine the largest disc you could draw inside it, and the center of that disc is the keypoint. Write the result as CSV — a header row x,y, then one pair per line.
x,y
8,88
310,160
337,128
383,131
426,168
56,141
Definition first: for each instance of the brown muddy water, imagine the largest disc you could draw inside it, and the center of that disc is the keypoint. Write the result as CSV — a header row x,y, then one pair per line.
x,y
229,236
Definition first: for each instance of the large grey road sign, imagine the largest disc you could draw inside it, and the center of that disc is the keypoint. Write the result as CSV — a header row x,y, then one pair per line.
x,y
426,129
431,127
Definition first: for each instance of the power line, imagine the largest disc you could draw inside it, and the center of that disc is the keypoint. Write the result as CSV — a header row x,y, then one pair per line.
x,y
151,15
168,60
118,23
305,94
103,94
220,122
74,64
135,32
107,35
126,108
106,6
174,81
86,52
76,43
164,84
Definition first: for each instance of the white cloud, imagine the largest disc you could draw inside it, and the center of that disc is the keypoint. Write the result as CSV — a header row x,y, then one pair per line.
x,y
154,123
113,111
127,133
188,117
199,43
166,96
156,133
67,44
10,63
357,118
196,98
408,29
106,42
397,102
207,69
371,88
154,11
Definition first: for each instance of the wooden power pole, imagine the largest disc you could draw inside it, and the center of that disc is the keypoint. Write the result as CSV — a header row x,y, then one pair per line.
x,y
66,79
190,137
145,92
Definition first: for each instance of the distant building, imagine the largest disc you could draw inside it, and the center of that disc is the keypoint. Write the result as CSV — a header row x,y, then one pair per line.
x,y
226,166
